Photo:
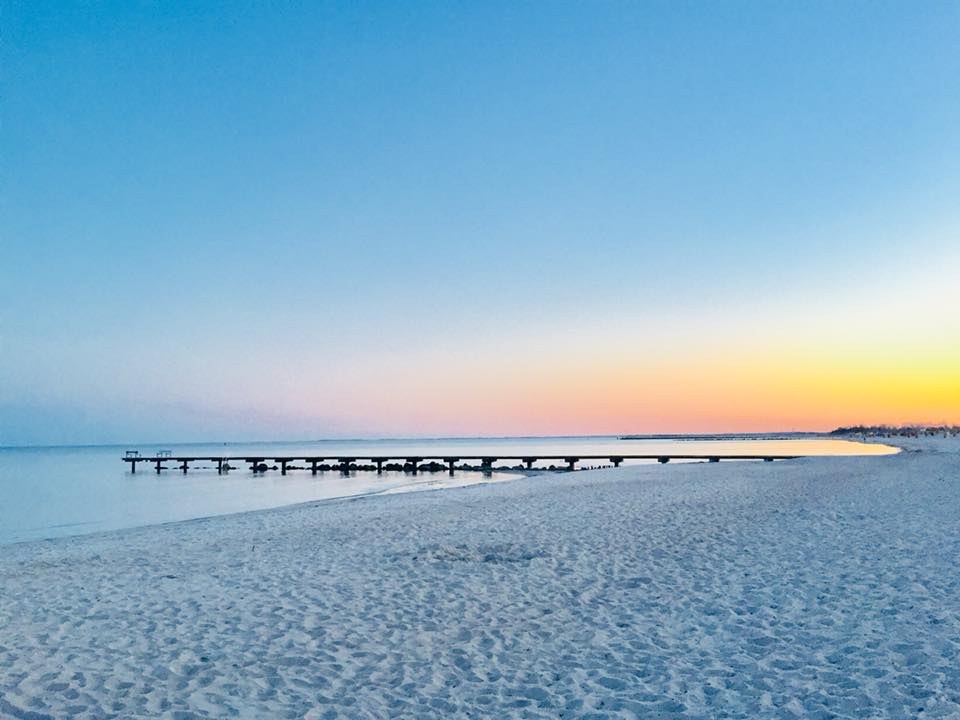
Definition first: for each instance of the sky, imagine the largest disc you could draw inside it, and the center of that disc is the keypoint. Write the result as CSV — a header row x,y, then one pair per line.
x,y
306,220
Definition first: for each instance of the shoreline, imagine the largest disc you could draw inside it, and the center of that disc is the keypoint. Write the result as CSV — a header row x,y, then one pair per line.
x,y
387,492
208,496
519,475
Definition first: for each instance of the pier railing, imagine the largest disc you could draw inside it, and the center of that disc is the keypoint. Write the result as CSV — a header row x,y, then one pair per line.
x,y
407,463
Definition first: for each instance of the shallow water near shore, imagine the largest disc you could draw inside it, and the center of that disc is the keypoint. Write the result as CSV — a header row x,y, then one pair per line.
x,y
64,491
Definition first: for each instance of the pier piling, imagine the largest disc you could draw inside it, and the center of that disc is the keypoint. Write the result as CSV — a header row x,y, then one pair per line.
x,y
413,464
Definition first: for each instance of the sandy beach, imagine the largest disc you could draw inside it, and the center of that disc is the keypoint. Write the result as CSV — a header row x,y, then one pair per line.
x,y
816,588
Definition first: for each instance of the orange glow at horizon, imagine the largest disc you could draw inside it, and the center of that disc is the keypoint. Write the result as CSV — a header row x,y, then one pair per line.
x,y
715,390
887,355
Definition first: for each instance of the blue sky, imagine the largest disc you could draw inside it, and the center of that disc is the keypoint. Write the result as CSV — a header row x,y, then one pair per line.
x,y
255,221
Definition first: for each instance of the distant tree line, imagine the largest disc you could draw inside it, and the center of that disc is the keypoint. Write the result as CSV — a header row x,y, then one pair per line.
x,y
899,430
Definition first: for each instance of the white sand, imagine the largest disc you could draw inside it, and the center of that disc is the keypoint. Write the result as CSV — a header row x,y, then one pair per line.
x,y
814,588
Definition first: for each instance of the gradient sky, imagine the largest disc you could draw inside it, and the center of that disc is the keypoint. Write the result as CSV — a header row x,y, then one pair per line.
x,y
304,220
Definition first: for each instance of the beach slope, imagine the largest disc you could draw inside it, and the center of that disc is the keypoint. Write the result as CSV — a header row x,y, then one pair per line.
x,y
822,587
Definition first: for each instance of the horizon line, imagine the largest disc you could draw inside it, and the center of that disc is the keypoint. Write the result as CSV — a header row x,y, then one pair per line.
x,y
625,436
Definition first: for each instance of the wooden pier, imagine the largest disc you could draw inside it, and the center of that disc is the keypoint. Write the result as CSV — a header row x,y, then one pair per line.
x,y
405,463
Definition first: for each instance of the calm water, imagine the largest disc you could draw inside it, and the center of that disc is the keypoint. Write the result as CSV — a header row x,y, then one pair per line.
x,y
54,492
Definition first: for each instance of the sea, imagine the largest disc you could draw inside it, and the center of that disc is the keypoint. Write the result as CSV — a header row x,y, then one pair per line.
x,y
51,492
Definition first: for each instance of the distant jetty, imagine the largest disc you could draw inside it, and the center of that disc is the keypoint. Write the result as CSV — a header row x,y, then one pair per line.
x,y
724,436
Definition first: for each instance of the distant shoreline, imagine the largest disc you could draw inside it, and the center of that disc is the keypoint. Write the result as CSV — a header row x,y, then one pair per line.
x,y
792,435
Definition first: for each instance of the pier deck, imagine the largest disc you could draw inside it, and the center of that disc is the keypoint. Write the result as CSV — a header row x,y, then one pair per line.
x,y
343,464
